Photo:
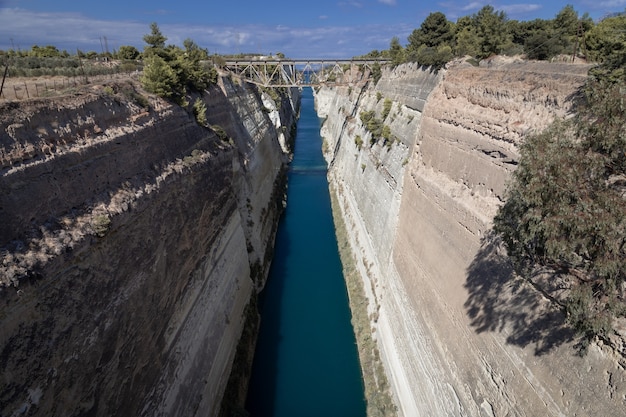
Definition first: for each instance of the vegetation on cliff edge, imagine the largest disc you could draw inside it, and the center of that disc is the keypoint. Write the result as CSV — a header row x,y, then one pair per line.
x,y
566,204
490,32
172,72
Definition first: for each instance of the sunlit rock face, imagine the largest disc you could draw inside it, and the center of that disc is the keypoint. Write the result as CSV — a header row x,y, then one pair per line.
x,y
133,241
458,333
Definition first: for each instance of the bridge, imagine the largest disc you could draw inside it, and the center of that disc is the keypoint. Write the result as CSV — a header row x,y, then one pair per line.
x,y
300,72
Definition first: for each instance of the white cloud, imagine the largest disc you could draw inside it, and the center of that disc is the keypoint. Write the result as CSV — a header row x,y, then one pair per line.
x,y
512,10
70,31
515,9
611,4
602,8
65,30
475,5
388,2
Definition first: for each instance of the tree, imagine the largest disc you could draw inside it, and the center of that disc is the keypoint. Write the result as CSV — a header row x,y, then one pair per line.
x,y
376,72
607,39
466,37
172,72
47,51
565,208
374,53
194,52
434,31
491,30
190,69
431,44
433,57
128,52
566,28
155,41
542,45
521,31
396,52
536,37
159,77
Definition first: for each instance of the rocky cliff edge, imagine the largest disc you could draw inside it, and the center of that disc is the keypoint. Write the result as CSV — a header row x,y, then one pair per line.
x,y
133,241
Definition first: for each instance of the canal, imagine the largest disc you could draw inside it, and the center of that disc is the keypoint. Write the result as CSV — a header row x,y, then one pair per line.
x,y
306,361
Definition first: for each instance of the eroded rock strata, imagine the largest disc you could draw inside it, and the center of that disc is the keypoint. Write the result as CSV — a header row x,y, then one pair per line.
x,y
133,240
459,334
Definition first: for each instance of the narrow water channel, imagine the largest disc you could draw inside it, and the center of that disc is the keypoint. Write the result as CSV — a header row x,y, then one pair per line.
x,y
306,362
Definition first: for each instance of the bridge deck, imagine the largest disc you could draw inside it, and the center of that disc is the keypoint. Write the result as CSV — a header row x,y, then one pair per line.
x,y
270,72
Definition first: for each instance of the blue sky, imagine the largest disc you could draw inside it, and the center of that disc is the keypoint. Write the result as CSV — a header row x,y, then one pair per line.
x,y
311,29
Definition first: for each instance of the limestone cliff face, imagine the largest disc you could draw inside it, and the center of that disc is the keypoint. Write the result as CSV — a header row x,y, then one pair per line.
x,y
133,241
458,333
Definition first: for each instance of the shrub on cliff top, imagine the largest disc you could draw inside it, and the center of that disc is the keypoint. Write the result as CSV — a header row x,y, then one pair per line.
x,y
171,72
159,78
490,32
606,39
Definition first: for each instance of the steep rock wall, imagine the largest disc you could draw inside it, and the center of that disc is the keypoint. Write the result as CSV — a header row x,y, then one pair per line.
x,y
458,333
133,241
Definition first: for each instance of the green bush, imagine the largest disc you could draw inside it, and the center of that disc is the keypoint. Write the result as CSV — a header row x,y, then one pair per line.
x,y
171,72
376,72
159,77
565,207
220,132
128,52
386,134
386,108
372,125
199,111
588,317
366,116
101,225
358,141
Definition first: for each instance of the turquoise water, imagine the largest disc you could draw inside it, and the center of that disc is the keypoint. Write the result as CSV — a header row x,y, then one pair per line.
x,y
306,361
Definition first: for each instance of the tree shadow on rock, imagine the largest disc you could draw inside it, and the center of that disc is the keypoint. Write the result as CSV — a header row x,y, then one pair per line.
x,y
501,301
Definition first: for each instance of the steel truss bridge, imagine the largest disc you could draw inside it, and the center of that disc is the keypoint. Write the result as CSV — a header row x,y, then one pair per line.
x,y
301,72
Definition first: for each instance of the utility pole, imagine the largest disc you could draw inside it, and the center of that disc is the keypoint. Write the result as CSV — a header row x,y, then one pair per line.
x,y
579,33
6,68
82,69
6,71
